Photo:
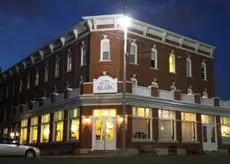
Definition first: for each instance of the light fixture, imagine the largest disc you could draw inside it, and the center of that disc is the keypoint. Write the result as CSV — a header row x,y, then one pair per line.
x,y
124,21
86,120
120,119
12,135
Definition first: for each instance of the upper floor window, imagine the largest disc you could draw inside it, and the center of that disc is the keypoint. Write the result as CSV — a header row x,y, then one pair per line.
x,y
37,77
83,54
69,60
154,57
1,95
28,81
13,89
57,67
105,49
20,86
188,67
46,75
133,53
203,71
172,63
7,92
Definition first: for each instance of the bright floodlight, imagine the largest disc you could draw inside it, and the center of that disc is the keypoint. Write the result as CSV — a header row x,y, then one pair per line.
x,y
125,21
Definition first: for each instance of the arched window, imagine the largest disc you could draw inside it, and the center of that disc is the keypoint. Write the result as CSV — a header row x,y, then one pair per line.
x,y
188,67
172,64
203,71
105,49
133,53
154,58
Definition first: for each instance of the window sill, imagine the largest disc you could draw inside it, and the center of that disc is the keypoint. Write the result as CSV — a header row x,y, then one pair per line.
x,y
194,142
154,68
204,80
167,141
141,140
189,77
104,60
173,73
134,64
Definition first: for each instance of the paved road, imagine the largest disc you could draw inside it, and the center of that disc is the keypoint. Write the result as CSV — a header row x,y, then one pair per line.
x,y
195,159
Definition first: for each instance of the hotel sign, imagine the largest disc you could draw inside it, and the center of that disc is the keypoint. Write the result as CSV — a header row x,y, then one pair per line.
x,y
105,84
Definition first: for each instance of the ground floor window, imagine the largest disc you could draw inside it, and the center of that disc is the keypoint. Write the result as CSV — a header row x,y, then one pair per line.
x,y
5,132
23,131
188,124
225,129
141,123
58,125
167,125
75,124
45,128
34,130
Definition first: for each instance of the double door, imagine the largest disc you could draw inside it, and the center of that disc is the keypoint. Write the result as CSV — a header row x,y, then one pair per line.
x,y
209,137
104,133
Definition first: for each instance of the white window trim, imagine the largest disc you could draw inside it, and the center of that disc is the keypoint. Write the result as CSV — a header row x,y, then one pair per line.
x,y
102,48
135,55
156,58
69,61
37,77
83,48
57,69
189,61
203,64
174,60
46,73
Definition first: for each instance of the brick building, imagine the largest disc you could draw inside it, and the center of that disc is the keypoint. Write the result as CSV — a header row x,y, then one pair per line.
x,y
68,94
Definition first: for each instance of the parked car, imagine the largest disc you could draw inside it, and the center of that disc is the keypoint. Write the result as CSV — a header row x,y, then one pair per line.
x,y
11,147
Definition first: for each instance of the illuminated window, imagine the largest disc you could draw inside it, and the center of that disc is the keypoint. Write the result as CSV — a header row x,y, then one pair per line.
x,y
34,130
188,67
133,53
75,114
45,128
206,119
5,132
154,58
203,71
58,125
172,63
167,125
142,123
105,49
69,60
37,77
225,129
188,123
23,132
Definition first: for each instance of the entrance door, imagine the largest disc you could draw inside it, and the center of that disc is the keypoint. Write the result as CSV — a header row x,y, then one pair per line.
x,y
209,137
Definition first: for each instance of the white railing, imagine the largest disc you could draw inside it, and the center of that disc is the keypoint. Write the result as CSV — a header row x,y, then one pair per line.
x,y
207,101
142,91
188,98
169,95
224,104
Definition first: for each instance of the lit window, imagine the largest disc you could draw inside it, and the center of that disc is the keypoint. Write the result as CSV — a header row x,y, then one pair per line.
x,y
105,49
189,131
142,123
83,54
45,128
167,125
172,63
69,61
203,71
5,132
37,77
225,129
34,130
46,75
154,58
75,115
58,125
28,81
57,67
133,53
188,67
23,132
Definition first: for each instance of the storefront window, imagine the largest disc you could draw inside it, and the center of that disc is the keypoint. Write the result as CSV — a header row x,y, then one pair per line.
x,y
142,123
45,128
58,124
225,129
206,119
188,123
75,114
167,125
34,130
23,132
5,132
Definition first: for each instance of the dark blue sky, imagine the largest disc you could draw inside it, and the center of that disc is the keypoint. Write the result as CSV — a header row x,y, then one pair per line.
x,y
26,25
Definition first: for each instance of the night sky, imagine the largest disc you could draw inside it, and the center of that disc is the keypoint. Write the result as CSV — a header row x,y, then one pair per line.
x,y
27,25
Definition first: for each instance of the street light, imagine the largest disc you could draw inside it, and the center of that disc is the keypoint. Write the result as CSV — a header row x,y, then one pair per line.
x,y
124,23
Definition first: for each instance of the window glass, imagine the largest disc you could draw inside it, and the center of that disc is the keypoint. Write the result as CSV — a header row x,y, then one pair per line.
x,y
225,129
189,131
105,49
172,63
